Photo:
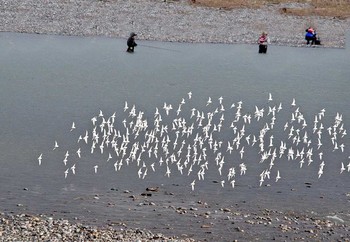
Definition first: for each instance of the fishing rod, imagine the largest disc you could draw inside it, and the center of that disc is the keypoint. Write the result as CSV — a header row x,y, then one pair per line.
x,y
154,47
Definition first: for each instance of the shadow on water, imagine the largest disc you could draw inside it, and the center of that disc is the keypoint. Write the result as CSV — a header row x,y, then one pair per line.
x,y
47,82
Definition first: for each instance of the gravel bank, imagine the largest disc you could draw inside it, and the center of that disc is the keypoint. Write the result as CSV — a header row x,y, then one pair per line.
x,y
25,227
165,21
265,224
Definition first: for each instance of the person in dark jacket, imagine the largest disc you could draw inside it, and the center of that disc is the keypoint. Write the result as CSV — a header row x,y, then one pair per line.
x,y
131,42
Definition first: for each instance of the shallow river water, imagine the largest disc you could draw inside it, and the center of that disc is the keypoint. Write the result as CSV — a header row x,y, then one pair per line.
x,y
48,82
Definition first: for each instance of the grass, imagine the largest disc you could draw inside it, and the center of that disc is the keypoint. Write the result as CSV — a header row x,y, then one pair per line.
x,y
330,8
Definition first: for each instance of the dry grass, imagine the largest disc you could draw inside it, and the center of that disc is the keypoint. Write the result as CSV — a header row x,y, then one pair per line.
x,y
332,8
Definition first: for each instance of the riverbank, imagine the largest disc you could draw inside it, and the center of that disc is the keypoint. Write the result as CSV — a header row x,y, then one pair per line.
x,y
241,225
177,21
25,227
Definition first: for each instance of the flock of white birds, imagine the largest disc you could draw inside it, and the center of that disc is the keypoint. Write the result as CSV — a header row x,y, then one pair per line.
x,y
188,141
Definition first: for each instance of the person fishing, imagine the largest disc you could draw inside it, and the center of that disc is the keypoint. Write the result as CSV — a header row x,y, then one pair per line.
x,y
131,43
263,41
310,35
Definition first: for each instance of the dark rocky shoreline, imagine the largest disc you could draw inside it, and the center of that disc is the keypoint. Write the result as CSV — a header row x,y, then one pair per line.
x,y
266,225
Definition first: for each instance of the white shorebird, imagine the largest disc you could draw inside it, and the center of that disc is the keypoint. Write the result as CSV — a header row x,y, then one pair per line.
x,y
55,145
193,184
279,107
126,106
40,158
167,108
293,102
320,155
95,168
270,97
73,127
342,168
66,173
65,160
67,154
233,183
261,179
189,95
139,172
73,169
320,172
278,176
209,101
109,157
94,120
152,166
144,174
168,171
241,152
243,168
220,99
78,153
85,138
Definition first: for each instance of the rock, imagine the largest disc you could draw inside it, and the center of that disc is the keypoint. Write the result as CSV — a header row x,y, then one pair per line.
x,y
205,226
335,218
238,229
146,194
152,189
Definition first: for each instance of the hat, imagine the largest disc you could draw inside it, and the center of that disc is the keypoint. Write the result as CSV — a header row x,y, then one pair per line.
x,y
132,34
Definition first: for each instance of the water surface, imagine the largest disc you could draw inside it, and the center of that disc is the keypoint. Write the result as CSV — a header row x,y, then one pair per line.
x,y
47,82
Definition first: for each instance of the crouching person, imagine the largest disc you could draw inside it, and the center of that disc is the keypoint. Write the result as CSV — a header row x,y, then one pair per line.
x,y
131,43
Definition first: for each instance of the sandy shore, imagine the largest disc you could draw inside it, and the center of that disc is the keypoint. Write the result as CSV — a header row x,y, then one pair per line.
x,y
166,21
